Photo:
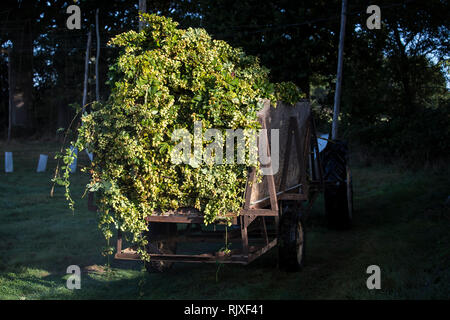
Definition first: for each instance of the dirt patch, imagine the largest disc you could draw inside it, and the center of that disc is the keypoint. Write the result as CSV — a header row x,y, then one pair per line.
x,y
95,269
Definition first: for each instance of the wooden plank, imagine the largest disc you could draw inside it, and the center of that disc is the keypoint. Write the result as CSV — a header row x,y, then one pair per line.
x,y
269,178
303,143
266,201
287,157
244,234
249,187
128,254
263,250
272,193
203,258
279,118
119,241
259,212
187,215
175,218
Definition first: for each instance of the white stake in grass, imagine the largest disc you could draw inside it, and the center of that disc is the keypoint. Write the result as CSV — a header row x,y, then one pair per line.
x,y
8,162
42,164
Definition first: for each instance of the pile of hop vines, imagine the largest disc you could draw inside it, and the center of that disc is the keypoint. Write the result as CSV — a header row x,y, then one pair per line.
x,y
166,78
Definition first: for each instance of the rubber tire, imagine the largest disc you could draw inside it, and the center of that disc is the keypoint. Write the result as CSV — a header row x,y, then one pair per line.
x,y
336,207
291,237
164,244
339,195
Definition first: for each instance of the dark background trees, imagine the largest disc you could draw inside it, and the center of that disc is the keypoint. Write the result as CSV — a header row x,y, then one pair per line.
x,y
395,79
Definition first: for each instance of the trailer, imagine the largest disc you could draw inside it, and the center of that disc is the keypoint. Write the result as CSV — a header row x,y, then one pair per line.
x,y
274,210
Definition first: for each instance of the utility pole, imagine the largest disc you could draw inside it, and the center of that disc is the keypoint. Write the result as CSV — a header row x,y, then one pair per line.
x,y
86,72
143,9
97,59
337,94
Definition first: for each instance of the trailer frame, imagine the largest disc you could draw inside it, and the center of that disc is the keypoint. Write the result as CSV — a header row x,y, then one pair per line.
x,y
305,192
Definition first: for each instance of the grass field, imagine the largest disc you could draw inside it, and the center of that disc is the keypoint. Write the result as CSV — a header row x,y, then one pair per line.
x,y
401,224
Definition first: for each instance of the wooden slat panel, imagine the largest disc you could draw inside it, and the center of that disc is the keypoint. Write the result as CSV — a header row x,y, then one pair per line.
x,y
279,118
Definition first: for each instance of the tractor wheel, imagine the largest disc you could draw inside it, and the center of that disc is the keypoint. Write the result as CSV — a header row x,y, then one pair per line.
x,y
339,195
160,241
291,245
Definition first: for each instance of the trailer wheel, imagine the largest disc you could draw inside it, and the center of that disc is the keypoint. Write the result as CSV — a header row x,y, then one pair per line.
x,y
163,243
339,195
291,247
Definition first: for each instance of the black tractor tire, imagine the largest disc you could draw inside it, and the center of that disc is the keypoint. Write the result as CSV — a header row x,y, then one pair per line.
x,y
338,195
160,241
291,237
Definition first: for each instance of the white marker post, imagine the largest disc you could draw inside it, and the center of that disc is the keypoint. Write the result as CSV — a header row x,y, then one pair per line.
x,y
73,166
9,162
42,164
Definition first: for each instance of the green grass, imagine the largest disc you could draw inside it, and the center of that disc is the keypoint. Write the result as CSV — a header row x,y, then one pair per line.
x,y
401,225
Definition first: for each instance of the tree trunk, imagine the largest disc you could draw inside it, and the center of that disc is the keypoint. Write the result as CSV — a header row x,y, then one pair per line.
x,y
21,82
403,73
143,9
